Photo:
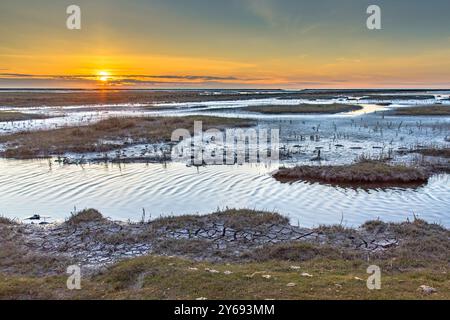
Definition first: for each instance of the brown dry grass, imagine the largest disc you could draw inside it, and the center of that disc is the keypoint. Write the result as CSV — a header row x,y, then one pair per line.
x,y
366,173
421,243
434,152
26,145
408,96
181,247
295,252
87,215
17,259
6,116
433,110
6,221
88,97
304,108
232,218
420,259
84,97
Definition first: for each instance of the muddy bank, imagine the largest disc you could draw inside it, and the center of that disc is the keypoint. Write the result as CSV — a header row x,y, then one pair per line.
x,y
94,242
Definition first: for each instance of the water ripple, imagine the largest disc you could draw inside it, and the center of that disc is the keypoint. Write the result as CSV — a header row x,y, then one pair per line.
x,y
29,187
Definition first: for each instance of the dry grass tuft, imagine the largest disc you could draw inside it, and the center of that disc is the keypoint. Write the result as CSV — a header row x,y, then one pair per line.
x,y
85,216
7,221
231,218
375,226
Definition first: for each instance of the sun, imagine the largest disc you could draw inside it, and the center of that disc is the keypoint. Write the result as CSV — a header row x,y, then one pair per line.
x,y
103,76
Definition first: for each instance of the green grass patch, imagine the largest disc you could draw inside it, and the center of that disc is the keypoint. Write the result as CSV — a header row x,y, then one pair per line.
x,y
154,277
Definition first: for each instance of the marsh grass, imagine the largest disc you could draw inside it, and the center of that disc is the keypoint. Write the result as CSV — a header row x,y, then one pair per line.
x,y
433,152
421,243
375,226
336,272
432,110
6,116
231,218
408,96
182,247
90,138
92,97
117,97
7,221
17,259
365,174
336,230
85,216
295,252
304,109
154,277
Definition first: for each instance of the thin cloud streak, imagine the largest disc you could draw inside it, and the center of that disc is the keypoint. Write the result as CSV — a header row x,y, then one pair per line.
x,y
90,76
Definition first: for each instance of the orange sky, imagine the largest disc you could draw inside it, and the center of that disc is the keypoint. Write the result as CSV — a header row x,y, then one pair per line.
x,y
247,43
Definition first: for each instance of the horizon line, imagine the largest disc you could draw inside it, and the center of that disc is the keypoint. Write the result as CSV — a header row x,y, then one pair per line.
x,y
225,89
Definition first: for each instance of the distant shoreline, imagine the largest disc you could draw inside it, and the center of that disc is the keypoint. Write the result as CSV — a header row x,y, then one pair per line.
x,y
232,89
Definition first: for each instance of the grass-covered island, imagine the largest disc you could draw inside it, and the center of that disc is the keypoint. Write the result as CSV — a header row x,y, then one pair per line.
x,y
304,108
433,152
363,173
6,116
431,110
232,254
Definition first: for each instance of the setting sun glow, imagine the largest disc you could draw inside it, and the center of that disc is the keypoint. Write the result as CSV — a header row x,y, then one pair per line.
x,y
103,76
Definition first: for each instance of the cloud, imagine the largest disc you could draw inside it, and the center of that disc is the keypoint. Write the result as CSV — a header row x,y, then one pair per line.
x,y
181,77
123,76
123,80
318,82
15,75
